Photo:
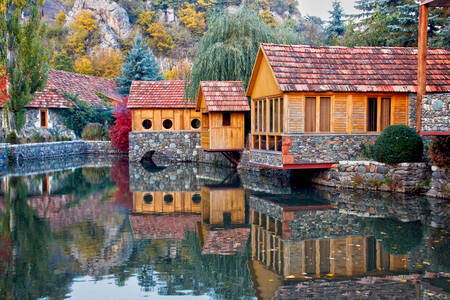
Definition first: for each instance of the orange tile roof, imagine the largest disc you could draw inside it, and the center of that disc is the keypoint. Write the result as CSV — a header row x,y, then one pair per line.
x,y
224,96
61,82
163,226
363,69
226,241
158,94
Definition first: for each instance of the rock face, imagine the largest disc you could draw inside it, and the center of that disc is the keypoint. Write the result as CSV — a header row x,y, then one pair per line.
x,y
51,9
113,20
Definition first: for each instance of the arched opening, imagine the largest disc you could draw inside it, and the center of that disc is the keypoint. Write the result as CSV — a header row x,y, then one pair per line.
x,y
195,123
168,198
196,198
148,198
147,124
167,124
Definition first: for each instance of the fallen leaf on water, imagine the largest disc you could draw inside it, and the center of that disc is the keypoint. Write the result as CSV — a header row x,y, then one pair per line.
x,y
290,276
426,262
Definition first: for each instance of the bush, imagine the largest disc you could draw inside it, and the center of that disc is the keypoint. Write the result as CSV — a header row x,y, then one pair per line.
x,y
440,151
93,132
398,144
122,126
36,137
12,138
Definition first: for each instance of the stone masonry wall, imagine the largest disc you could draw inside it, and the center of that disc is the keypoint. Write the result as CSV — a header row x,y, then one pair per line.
x,y
440,183
404,177
436,112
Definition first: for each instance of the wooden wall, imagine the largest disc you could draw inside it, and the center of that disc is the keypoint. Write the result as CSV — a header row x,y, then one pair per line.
x,y
217,201
181,118
182,203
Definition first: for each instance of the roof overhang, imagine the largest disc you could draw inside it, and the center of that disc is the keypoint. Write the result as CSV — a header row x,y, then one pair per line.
x,y
436,3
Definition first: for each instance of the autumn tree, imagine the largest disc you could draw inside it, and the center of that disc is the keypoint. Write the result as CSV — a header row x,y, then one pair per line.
x,y
140,64
267,17
180,71
85,33
3,85
191,18
158,38
122,126
23,54
107,63
84,65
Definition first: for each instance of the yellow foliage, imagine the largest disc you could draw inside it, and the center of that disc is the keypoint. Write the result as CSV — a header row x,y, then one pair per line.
x,y
159,39
192,19
84,65
61,18
267,17
85,33
146,18
206,4
107,63
178,72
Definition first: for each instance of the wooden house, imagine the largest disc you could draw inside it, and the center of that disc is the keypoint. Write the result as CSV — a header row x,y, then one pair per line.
x,y
313,106
162,106
222,105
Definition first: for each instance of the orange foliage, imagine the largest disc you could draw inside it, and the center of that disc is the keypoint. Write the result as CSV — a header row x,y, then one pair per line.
x,y
3,85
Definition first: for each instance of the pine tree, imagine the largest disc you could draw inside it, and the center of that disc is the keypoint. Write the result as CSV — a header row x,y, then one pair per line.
x,y
140,64
336,27
22,52
61,61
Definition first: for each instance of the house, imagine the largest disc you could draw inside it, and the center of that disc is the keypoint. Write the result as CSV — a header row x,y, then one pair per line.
x,y
314,106
223,105
42,113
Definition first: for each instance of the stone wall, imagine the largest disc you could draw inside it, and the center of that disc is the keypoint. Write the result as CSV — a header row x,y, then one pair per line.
x,y
371,175
55,124
436,112
440,183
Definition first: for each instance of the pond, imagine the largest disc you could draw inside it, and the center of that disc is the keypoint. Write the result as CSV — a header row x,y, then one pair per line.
x,y
101,228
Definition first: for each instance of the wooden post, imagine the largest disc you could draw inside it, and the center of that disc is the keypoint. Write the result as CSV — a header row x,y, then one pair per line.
x,y
422,63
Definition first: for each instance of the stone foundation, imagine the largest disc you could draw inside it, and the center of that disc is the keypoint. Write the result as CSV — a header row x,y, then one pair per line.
x,y
370,175
436,112
440,183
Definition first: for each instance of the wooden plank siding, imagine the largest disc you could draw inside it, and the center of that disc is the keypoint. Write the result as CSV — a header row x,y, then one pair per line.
x,y
181,118
182,202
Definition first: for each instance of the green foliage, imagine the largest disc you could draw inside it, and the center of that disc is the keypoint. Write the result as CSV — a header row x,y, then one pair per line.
x,y
93,132
336,25
398,144
82,113
228,49
61,61
368,150
22,52
36,137
440,151
140,64
12,138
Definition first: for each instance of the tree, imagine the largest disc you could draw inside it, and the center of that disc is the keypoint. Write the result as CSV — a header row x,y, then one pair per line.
x,y
61,61
107,63
267,17
311,31
22,52
179,72
140,64
192,19
158,38
122,126
336,25
85,33
229,47
84,65
3,85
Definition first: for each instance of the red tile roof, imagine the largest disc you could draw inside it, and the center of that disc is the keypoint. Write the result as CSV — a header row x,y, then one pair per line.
x,y
163,226
158,94
86,87
226,241
364,69
224,96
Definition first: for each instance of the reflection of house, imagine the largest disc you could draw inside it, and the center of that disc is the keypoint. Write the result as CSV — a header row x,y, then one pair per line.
x,y
313,106
167,202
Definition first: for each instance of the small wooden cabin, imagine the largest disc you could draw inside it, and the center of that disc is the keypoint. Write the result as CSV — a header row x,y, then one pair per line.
x,y
314,106
162,106
222,105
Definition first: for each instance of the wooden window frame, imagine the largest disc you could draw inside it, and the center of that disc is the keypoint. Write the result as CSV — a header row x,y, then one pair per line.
x,y
317,115
226,119
379,103
45,111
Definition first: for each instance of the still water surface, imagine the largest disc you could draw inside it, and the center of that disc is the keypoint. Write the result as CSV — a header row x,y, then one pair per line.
x,y
110,230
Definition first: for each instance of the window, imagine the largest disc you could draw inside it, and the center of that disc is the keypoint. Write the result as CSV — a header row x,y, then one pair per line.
x,y
167,124
195,123
196,198
168,198
372,114
43,116
325,114
310,114
148,198
147,124
385,113
226,218
226,119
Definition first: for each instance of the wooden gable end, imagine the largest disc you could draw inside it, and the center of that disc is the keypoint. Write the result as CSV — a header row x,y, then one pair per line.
x,y
201,104
262,82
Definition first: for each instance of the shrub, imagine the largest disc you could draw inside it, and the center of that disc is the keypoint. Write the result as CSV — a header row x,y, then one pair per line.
x,y
122,126
12,138
367,150
397,144
92,132
36,137
440,151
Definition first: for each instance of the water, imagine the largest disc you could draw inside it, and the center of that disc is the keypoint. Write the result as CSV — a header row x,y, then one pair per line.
x,y
110,230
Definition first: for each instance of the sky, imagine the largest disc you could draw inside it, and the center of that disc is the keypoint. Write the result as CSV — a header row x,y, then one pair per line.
x,y
320,8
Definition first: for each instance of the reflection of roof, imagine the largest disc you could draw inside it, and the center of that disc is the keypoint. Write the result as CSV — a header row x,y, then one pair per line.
x,y
226,241
158,94
224,96
299,68
163,226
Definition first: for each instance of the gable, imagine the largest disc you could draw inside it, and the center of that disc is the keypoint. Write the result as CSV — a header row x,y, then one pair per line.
x,y
263,82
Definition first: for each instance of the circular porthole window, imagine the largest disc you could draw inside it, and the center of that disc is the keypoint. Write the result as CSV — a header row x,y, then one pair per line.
x,y
195,123
148,198
168,198
167,124
196,198
147,124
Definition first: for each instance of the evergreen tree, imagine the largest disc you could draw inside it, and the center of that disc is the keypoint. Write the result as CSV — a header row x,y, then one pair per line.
x,y
336,27
61,61
22,52
140,64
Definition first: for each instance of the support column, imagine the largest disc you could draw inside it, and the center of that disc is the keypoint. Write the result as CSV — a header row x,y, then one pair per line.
x,y
421,63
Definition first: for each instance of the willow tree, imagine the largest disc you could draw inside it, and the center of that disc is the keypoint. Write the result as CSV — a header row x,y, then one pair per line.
x,y
228,49
23,54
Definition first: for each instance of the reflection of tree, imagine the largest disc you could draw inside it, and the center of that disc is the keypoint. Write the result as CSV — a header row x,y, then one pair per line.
x,y
120,174
439,242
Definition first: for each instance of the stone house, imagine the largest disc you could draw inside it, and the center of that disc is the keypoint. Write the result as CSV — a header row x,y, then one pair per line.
x,y
42,113
314,106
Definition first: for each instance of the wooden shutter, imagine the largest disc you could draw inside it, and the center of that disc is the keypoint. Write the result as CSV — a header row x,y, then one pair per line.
x,y
325,114
358,113
310,114
385,113
340,114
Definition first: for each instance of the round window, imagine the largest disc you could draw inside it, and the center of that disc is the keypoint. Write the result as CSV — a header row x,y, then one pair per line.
x,y
147,124
168,198
195,123
167,124
148,198
196,198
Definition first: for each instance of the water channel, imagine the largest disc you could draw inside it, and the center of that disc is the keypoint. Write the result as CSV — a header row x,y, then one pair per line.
x,y
101,228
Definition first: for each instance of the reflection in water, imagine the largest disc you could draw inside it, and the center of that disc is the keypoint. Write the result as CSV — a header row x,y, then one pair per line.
x,y
125,232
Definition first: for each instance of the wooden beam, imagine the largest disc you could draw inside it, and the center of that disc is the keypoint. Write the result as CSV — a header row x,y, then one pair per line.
x,y
421,63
